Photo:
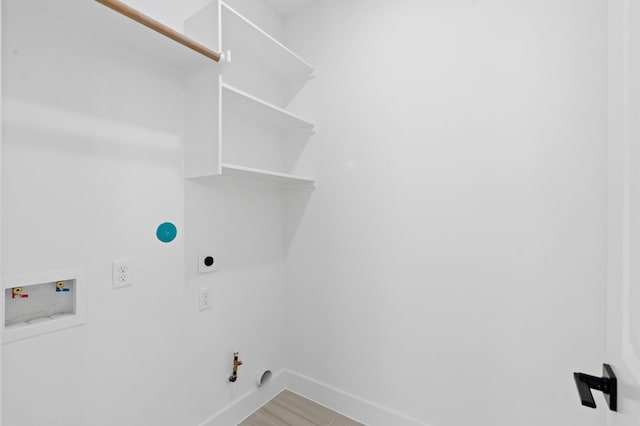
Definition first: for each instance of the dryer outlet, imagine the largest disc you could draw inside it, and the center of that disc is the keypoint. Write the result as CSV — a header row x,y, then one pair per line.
x,y
207,262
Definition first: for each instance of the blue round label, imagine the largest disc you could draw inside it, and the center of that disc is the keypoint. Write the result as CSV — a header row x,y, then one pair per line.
x,y
166,232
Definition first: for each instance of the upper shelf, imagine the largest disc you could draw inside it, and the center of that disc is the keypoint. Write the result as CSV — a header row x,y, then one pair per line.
x,y
237,101
238,33
101,24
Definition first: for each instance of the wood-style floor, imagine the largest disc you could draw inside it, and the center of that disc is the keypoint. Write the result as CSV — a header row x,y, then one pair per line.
x,y
290,409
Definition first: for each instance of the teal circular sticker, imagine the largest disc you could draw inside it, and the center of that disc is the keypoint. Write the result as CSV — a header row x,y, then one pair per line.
x,y
166,232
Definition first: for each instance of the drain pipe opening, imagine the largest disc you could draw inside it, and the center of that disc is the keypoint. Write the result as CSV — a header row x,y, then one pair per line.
x,y
263,377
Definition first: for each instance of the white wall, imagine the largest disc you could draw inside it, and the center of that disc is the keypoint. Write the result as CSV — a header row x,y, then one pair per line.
x,y
174,15
168,12
92,163
451,264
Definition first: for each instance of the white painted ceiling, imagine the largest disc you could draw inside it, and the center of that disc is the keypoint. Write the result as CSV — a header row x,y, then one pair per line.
x,y
287,7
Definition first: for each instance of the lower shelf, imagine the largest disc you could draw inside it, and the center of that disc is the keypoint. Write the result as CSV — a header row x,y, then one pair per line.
x,y
266,175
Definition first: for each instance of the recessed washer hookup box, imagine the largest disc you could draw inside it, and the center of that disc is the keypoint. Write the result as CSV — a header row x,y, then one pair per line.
x,y
43,302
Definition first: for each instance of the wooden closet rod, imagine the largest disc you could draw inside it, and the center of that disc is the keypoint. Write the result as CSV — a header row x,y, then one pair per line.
x,y
145,20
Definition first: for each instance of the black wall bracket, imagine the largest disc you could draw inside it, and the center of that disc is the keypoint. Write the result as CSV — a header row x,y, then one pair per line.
x,y
607,384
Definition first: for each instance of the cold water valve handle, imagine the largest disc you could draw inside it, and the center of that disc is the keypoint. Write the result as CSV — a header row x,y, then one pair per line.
x,y
607,384
236,363
60,287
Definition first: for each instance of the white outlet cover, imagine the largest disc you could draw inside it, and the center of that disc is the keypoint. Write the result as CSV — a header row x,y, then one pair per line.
x,y
204,298
121,273
205,257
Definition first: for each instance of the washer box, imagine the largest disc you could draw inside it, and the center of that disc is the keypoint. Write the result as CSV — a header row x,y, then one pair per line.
x,y
43,302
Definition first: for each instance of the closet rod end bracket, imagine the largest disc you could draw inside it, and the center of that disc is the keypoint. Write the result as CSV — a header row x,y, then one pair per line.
x,y
225,57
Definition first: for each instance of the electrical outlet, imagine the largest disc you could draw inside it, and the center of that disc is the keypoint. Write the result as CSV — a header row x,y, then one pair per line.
x,y
121,273
204,298
207,262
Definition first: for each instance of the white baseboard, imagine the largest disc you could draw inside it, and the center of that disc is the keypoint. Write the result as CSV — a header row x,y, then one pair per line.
x,y
244,406
349,405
